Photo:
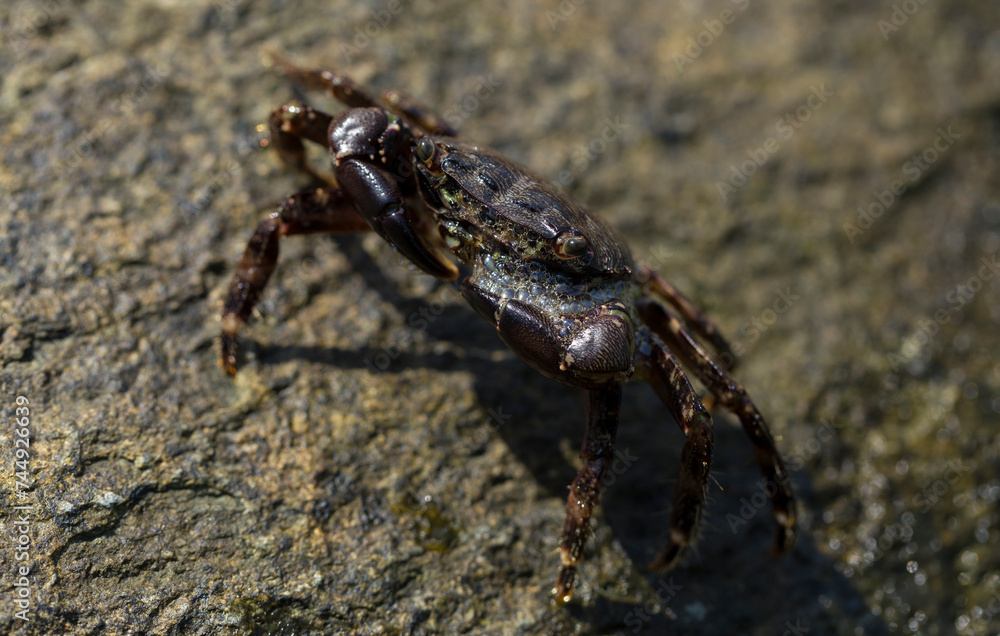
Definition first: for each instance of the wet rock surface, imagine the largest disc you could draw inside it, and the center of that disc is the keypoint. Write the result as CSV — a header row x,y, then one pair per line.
x,y
821,177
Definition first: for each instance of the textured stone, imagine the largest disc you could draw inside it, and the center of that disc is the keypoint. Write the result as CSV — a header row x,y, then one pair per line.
x,y
312,495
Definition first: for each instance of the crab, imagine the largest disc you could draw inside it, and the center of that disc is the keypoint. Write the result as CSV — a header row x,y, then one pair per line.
x,y
559,286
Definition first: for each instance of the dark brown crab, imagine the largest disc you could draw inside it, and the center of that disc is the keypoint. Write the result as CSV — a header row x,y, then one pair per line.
x,y
560,286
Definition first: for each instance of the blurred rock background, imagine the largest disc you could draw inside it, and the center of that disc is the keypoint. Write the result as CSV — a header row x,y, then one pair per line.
x,y
821,176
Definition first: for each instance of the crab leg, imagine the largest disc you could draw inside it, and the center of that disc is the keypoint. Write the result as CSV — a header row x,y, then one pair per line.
x,y
665,375
597,453
290,124
321,210
693,316
410,109
734,397
343,89
359,135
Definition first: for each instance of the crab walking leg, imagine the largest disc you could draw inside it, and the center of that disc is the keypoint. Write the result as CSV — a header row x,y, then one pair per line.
x,y
597,453
665,375
290,124
734,397
340,87
692,314
321,210
345,90
413,111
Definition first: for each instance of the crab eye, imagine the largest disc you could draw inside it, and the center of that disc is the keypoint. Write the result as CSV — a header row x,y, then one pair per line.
x,y
425,149
571,245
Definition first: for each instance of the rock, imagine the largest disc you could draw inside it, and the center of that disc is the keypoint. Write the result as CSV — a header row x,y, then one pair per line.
x,y
820,178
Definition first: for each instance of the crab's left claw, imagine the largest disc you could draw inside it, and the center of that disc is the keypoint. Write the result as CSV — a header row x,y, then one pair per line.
x,y
357,137
603,349
599,350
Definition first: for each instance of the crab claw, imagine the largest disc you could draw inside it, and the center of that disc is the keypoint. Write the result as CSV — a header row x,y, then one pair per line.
x,y
604,348
598,350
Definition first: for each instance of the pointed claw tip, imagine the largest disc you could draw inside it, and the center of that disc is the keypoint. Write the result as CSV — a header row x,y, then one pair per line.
x,y
784,540
228,365
562,591
561,596
666,560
